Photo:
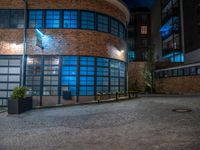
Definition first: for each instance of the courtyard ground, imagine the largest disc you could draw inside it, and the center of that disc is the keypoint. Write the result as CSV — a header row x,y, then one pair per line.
x,y
146,123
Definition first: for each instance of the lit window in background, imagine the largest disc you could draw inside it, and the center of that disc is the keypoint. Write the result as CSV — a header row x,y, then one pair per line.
x,y
144,30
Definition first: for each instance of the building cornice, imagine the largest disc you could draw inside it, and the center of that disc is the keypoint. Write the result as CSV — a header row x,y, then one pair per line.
x,y
122,6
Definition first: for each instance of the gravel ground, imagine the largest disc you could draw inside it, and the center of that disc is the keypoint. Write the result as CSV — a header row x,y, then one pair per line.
x,y
146,123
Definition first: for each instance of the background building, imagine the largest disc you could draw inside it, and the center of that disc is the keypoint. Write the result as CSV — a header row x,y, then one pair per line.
x,y
70,45
171,31
191,24
139,33
180,43
179,30
156,39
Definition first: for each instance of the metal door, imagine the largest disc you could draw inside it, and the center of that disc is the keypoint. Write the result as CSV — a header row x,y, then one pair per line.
x,y
9,76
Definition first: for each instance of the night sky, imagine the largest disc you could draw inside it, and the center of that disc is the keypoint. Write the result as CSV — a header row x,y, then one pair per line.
x,y
132,3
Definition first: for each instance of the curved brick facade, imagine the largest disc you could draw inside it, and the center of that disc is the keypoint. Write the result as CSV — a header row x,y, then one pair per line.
x,y
84,61
65,41
101,6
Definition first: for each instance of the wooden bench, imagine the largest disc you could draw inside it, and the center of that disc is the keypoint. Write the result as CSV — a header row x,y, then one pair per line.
x,y
117,95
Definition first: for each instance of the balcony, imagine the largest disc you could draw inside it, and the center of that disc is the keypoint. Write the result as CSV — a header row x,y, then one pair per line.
x,y
169,14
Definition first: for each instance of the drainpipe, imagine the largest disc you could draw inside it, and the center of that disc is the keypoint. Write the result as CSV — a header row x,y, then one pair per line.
x,y
25,40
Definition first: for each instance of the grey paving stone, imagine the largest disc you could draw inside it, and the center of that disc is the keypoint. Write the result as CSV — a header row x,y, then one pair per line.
x,y
146,123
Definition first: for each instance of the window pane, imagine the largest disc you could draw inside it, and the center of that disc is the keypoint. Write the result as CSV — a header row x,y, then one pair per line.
x,y
114,27
17,19
87,20
70,19
53,19
102,24
35,19
4,19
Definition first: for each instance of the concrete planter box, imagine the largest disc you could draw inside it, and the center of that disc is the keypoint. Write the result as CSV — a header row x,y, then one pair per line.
x,y
19,106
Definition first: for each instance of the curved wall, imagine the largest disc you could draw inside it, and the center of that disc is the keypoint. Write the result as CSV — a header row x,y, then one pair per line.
x,y
59,44
66,41
77,42
101,6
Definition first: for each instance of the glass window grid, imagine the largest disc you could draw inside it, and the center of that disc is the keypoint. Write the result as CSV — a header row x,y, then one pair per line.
x,y
87,20
114,27
69,74
51,76
103,62
17,20
11,18
8,79
122,31
86,91
70,19
86,80
102,23
5,18
36,19
34,71
189,71
53,19
87,72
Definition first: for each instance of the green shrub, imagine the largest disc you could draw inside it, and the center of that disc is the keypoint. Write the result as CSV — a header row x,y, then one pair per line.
x,y
19,93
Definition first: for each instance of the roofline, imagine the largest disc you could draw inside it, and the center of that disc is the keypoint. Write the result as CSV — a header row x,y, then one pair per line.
x,y
122,6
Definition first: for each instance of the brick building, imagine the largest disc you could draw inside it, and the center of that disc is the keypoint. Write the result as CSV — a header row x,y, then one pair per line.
x,y
67,45
139,33
179,30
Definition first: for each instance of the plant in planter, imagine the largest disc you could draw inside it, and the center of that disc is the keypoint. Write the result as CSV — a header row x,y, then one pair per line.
x,y
19,101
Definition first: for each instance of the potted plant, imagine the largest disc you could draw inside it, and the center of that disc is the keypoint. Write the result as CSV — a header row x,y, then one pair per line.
x,y
19,101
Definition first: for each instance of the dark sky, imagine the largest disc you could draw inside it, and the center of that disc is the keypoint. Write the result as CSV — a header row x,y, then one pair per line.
x,y
131,3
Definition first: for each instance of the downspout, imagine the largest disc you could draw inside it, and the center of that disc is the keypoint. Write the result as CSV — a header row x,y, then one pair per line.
x,y
182,41
25,41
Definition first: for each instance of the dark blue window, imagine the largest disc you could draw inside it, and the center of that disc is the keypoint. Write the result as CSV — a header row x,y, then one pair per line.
x,y
102,23
69,74
17,19
122,31
86,76
102,81
84,80
69,70
102,71
69,80
198,70
87,20
35,19
86,91
53,19
89,61
114,64
104,62
70,19
4,19
114,27
69,60
86,70
122,69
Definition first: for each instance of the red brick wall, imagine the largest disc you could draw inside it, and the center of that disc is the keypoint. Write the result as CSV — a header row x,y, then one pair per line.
x,y
11,41
135,74
178,85
94,5
77,42
65,41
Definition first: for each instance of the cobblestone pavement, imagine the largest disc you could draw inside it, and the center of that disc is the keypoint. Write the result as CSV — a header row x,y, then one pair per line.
x,y
146,123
